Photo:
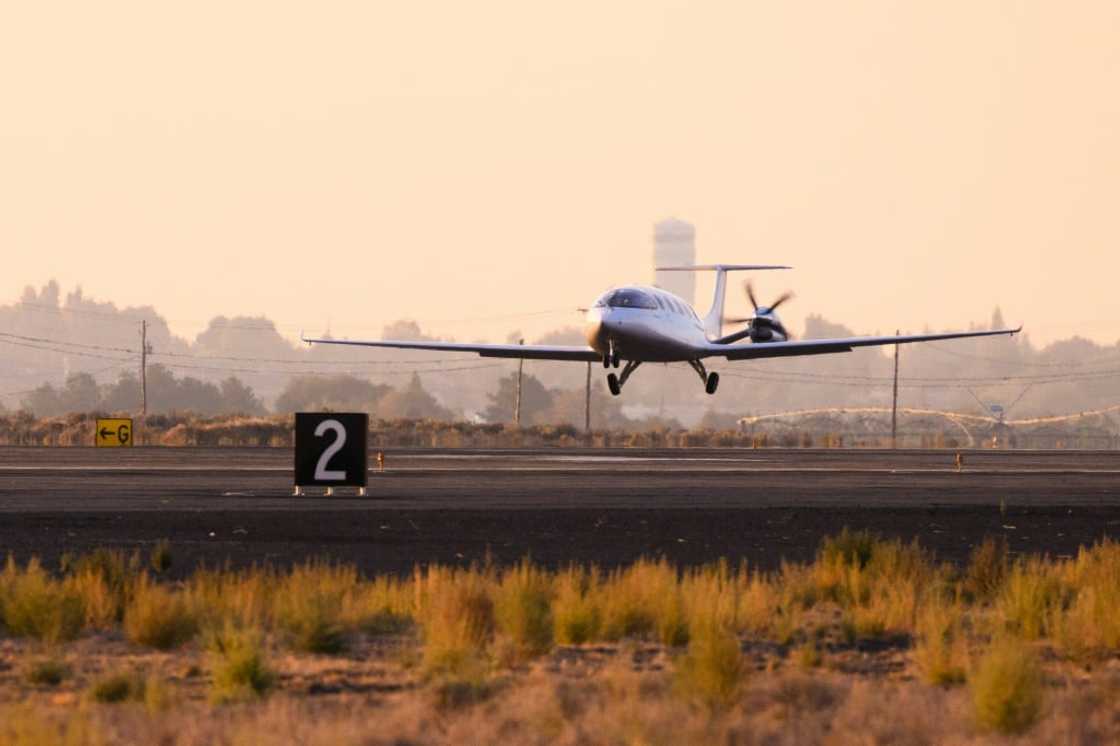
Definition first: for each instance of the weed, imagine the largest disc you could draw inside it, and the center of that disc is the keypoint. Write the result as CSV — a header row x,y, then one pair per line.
x,y
456,616
1007,688
987,568
576,616
848,548
160,557
1028,594
159,618
712,670
47,672
117,688
522,609
37,606
239,671
308,607
807,656
941,650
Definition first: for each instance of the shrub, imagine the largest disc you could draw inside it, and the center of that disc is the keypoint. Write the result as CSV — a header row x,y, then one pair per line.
x,y
523,611
457,618
117,688
159,618
1006,688
712,670
308,607
941,650
1028,594
642,600
47,672
37,606
239,671
987,569
848,548
576,617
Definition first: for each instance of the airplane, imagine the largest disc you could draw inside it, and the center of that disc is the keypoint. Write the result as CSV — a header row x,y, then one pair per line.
x,y
636,324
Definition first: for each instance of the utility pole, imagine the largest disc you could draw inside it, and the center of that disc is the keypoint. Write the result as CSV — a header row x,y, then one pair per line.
x,y
587,403
894,403
144,367
517,402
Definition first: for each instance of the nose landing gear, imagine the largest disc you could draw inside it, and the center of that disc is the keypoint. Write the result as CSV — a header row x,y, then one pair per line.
x,y
615,383
610,360
711,380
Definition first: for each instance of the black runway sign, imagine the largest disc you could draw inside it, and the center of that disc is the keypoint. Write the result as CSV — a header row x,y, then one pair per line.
x,y
331,449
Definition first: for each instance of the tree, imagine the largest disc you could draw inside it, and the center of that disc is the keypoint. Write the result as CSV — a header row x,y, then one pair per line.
x,y
237,398
412,402
337,393
535,400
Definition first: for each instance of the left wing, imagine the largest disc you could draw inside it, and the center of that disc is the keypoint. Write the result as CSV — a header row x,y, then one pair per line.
x,y
826,346
527,352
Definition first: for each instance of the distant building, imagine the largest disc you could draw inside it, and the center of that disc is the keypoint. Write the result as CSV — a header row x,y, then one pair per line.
x,y
674,244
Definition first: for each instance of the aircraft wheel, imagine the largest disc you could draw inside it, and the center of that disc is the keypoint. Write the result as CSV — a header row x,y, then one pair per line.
x,y
614,360
614,385
606,361
712,384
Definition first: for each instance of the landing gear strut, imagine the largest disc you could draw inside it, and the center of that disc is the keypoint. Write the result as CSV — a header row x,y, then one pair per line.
x,y
610,360
711,380
615,383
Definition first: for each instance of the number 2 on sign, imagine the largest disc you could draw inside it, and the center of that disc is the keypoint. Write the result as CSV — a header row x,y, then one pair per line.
x,y
321,471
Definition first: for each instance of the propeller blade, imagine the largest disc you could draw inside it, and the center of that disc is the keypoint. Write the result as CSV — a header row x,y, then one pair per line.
x,y
781,299
750,294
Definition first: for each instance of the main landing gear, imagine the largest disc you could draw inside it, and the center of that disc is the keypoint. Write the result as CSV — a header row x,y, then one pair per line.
x,y
615,383
711,380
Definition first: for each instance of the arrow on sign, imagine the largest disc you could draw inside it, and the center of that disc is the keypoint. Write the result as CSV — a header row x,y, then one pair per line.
x,y
105,433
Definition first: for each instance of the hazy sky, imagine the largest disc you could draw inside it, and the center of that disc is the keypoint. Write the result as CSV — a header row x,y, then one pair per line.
x,y
366,161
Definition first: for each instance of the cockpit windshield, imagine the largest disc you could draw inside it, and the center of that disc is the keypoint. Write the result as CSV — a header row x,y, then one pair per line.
x,y
628,298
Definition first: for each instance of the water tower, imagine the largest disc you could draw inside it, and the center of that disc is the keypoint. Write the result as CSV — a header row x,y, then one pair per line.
x,y
674,244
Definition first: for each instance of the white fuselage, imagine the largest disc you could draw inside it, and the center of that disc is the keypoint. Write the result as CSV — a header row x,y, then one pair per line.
x,y
647,324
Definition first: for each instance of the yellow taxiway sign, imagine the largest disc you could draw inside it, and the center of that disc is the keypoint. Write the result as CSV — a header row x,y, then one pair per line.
x,y
113,432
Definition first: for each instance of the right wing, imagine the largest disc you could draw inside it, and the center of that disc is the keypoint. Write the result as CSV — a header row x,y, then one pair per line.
x,y
526,352
755,350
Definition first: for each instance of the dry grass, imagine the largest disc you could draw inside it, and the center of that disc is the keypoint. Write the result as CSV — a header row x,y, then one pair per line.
x,y
665,640
523,610
38,606
1006,687
456,613
238,667
308,606
159,617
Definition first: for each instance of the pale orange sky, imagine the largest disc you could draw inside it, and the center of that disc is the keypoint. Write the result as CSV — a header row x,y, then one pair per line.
x,y
365,161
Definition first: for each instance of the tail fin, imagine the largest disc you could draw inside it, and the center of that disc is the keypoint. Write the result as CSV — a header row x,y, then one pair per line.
x,y
713,322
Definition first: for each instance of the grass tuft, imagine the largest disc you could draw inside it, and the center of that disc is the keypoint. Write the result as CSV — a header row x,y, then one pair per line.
x,y
117,688
713,669
575,609
239,671
158,617
456,617
48,672
523,610
1007,688
308,607
37,606
160,556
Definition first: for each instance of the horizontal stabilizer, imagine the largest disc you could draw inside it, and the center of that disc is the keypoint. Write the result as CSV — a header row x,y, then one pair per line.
x,y
720,267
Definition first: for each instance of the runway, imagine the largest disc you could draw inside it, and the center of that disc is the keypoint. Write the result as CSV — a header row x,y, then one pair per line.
x,y
558,506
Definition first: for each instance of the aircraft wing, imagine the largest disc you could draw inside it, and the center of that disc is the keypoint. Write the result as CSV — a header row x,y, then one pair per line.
x,y
527,352
753,350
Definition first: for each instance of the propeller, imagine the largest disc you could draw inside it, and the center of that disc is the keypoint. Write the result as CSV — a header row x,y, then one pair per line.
x,y
786,296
